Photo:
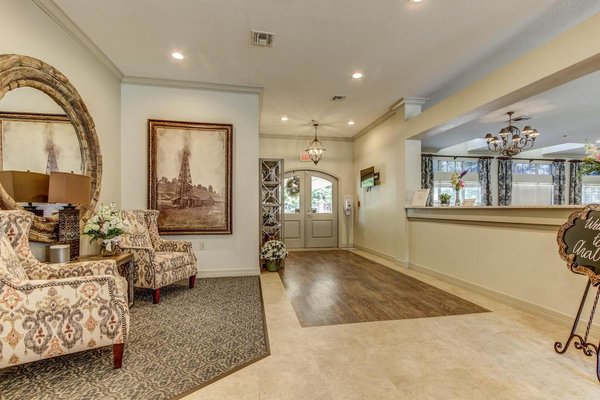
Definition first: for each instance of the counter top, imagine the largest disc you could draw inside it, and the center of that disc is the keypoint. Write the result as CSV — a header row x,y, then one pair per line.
x,y
541,217
523,207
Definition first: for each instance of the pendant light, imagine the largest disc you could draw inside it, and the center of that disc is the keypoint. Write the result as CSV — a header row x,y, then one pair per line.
x,y
315,149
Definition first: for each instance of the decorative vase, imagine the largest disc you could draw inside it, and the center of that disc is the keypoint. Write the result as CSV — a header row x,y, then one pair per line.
x,y
107,248
457,201
273,265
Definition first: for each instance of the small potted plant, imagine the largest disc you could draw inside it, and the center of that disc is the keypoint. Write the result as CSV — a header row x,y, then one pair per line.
x,y
445,199
106,225
273,252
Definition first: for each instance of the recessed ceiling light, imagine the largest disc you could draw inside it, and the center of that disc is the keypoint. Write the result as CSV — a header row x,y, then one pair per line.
x,y
415,1
357,75
284,118
350,122
177,55
597,141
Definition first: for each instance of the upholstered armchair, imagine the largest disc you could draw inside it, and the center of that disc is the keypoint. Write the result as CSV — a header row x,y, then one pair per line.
x,y
49,310
158,262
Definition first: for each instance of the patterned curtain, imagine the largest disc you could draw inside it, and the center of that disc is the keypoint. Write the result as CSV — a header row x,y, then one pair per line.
x,y
558,182
504,181
574,182
427,176
485,180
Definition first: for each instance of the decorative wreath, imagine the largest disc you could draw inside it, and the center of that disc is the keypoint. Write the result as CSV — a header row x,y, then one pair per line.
x,y
292,186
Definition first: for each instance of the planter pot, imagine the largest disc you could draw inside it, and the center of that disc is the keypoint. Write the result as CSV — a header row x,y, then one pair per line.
x,y
273,266
445,204
104,249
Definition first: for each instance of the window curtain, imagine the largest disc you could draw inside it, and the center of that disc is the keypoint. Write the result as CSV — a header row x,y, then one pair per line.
x,y
558,182
427,176
485,180
504,181
575,188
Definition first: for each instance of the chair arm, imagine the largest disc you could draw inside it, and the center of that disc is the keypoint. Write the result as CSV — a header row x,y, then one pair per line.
x,y
182,246
66,270
145,266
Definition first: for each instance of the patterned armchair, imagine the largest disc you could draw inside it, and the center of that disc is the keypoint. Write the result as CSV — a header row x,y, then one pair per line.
x,y
48,310
158,262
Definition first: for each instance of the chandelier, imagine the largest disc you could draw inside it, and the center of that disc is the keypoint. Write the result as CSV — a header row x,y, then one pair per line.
x,y
511,140
315,149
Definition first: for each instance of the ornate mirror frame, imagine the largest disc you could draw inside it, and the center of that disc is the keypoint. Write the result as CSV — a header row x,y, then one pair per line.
x,y
22,71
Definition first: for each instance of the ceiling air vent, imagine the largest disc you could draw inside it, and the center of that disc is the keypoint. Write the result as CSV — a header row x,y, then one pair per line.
x,y
338,98
264,39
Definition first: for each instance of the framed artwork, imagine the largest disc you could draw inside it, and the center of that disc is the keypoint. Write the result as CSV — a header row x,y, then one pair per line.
x,y
420,198
39,143
189,178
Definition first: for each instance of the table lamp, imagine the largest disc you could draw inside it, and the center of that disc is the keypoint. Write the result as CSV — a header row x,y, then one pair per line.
x,y
26,187
70,189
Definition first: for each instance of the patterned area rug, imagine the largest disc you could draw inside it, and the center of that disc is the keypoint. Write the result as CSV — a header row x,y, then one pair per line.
x,y
190,339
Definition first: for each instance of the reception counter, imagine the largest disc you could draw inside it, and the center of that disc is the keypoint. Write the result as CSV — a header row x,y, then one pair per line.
x,y
540,216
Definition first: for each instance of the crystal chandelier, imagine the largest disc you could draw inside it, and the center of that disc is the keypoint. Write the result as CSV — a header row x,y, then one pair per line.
x,y
509,141
315,149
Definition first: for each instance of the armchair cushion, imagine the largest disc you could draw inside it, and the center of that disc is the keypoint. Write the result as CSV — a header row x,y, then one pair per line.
x,y
137,235
168,261
10,267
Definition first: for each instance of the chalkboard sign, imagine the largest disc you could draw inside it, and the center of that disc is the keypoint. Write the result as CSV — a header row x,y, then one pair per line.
x,y
579,242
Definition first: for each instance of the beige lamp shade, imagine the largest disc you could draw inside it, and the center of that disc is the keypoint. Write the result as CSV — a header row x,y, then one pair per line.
x,y
25,186
69,188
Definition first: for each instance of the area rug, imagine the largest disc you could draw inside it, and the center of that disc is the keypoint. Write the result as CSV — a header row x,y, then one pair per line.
x,y
341,287
190,339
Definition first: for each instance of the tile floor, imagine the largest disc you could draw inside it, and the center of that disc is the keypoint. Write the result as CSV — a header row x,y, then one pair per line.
x,y
504,354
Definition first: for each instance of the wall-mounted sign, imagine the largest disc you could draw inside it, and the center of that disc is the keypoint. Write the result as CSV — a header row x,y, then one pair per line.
x,y
579,242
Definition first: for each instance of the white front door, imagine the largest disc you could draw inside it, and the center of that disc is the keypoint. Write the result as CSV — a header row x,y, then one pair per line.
x,y
310,209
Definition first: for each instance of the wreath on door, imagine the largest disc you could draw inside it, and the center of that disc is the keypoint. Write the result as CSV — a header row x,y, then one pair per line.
x,y
292,186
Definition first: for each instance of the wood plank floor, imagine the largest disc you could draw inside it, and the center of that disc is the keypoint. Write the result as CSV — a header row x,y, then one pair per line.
x,y
340,287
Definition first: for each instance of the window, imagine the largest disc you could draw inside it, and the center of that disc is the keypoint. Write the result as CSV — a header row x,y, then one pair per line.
x,y
292,195
532,193
590,189
472,190
443,168
532,183
529,168
449,165
321,196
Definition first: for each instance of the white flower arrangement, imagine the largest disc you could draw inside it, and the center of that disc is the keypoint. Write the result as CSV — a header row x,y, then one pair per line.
x,y
273,250
106,225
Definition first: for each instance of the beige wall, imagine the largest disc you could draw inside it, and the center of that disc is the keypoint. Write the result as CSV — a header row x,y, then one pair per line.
x,y
337,161
235,254
375,219
27,30
521,263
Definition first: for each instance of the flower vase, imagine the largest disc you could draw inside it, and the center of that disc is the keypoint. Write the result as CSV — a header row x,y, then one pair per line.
x,y
107,248
273,265
457,201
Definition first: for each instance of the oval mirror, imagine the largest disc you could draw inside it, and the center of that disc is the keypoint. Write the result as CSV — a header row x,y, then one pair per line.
x,y
44,127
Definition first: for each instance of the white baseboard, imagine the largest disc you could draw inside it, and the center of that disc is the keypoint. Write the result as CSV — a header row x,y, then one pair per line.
x,y
380,254
220,273
519,304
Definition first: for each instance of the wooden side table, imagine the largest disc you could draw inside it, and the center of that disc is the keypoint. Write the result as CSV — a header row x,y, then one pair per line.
x,y
124,265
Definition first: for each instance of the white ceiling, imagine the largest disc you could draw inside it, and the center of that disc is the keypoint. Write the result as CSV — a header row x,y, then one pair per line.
x,y
430,49
565,114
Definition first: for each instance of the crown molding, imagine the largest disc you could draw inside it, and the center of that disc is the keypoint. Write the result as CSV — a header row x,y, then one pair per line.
x,y
301,137
173,83
50,8
384,117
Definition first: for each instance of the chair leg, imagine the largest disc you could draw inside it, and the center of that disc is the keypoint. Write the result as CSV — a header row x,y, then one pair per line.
x,y
118,354
156,295
192,281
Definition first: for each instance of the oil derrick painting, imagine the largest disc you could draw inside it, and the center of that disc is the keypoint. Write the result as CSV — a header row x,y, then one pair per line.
x,y
190,176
